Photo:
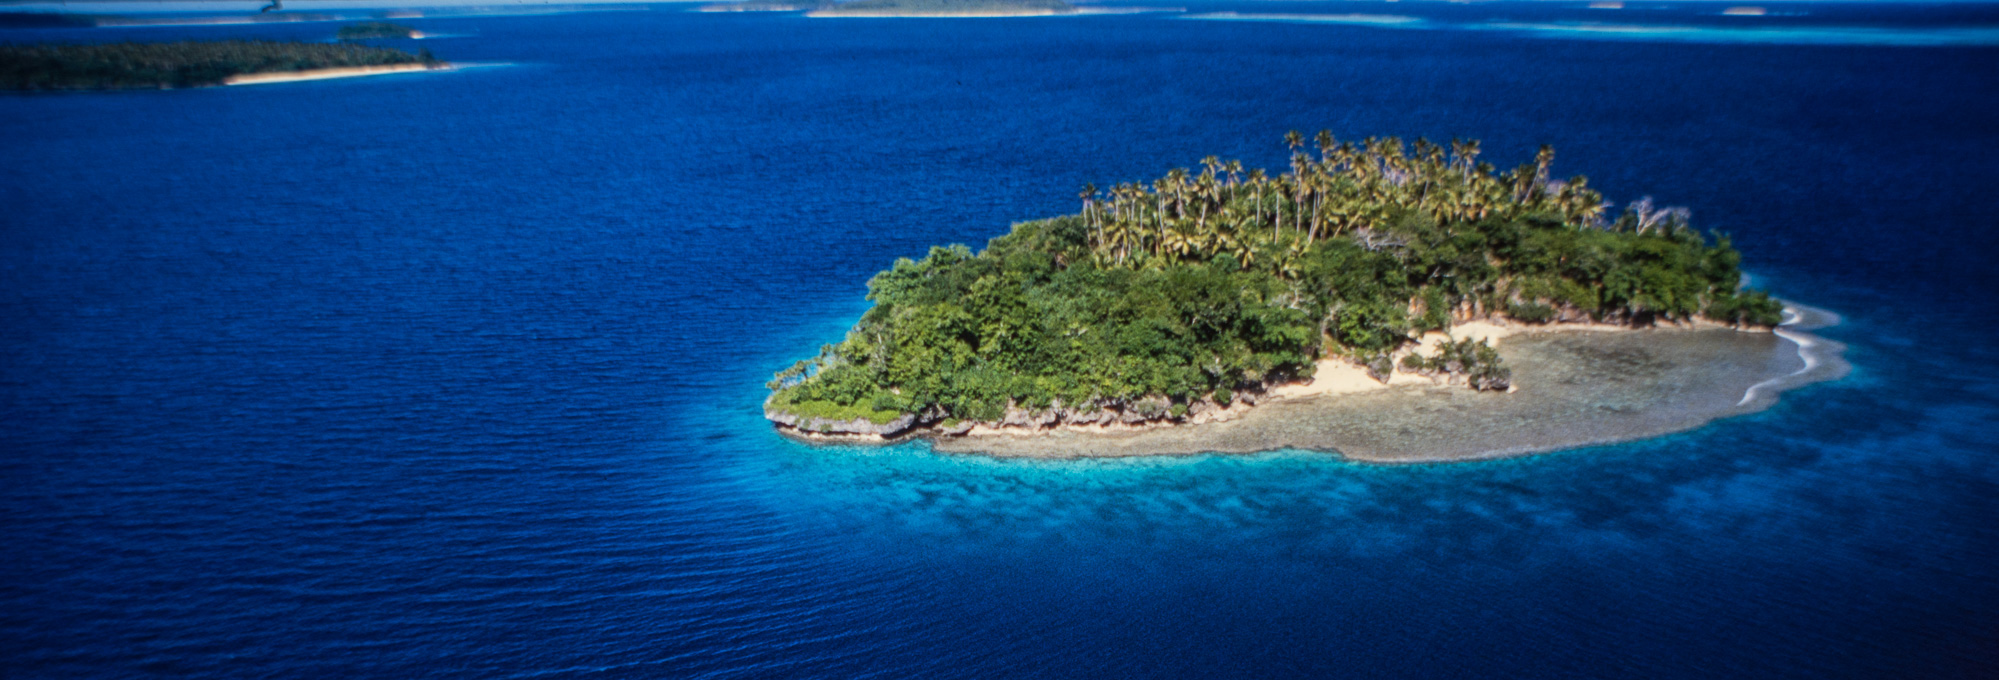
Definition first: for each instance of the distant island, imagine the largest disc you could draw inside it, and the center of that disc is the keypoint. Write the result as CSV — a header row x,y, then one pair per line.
x,y
1191,298
766,6
125,66
376,29
945,8
899,8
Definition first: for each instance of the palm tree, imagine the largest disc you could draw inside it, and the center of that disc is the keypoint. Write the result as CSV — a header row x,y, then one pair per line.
x,y
1466,154
1285,191
1207,192
1543,160
1128,223
1256,183
1089,196
1176,181
1179,243
1298,164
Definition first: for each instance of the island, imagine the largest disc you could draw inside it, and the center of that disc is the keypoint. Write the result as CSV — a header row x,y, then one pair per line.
x,y
1366,266
767,6
124,66
945,8
375,30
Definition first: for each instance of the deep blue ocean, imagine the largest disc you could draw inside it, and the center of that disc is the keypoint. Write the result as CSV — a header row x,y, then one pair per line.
x,y
458,374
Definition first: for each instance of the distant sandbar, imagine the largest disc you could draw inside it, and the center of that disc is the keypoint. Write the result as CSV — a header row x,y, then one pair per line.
x,y
328,73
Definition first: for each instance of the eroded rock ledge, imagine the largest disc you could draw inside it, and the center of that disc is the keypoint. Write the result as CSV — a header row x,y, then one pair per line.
x,y
1143,414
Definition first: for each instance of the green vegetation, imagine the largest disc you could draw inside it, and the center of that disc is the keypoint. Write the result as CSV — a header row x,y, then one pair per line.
x,y
1477,361
830,410
946,7
181,64
1200,288
376,29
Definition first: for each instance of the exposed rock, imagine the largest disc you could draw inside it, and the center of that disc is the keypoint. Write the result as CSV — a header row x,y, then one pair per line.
x,y
1498,381
1015,417
858,427
1145,412
1380,367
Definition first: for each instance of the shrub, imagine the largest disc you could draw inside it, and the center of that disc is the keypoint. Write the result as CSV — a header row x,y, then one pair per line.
x,y
1530,312
1436,311
1414,362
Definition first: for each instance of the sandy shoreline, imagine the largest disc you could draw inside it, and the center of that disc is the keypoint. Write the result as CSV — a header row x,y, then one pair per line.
x,y
1339,376
329,73
1574,387
1079,11
821,14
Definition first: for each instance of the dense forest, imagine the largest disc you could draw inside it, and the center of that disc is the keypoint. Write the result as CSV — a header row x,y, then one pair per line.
x,y
1204,285
178,64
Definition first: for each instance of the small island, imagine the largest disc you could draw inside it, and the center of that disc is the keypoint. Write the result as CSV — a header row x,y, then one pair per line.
x,y
126,66
945,8
1190,299
767,6
373,30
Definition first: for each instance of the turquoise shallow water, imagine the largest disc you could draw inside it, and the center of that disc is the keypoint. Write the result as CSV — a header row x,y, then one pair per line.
x,y
458,374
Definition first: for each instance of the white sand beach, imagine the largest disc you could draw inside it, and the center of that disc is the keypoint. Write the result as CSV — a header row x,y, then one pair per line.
x,y
328,73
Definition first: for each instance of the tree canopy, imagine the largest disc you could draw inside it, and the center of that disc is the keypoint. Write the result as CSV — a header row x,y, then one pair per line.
x,y
178,64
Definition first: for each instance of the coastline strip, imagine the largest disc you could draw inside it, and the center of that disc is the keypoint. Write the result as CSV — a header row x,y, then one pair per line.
x,y
1571,390
977,14
328,73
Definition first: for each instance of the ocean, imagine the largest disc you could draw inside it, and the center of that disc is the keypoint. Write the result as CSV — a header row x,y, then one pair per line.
x,y
458,374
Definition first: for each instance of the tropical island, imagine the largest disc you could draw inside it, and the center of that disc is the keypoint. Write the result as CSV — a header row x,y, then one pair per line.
x,y
1193,297
371,30
945,8
125,66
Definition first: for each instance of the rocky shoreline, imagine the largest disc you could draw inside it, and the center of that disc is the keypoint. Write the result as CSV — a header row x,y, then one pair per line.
x,y
1144,414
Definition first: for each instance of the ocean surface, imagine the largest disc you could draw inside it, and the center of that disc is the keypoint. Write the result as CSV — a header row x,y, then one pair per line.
x,y
458,374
